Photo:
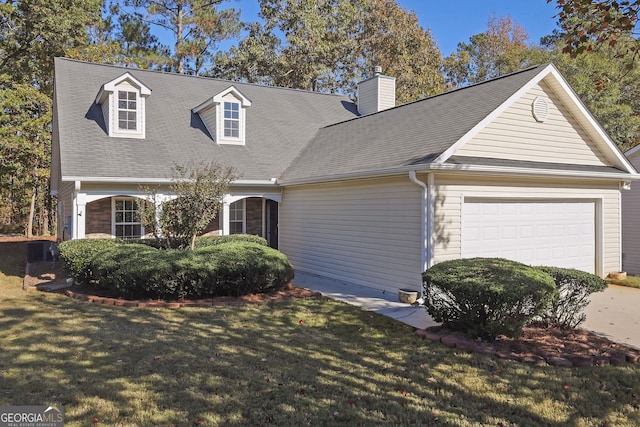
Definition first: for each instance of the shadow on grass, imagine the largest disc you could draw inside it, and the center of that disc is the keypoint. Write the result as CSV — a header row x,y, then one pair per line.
x,y
310,361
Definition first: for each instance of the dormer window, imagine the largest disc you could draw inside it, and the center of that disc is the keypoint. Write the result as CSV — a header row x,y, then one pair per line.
x,y
127,110
123,106
225,116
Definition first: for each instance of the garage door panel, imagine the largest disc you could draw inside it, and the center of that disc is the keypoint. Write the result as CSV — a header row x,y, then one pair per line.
x,y
560,233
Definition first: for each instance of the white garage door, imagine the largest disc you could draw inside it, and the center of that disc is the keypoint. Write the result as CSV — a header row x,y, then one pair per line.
x,y
560,234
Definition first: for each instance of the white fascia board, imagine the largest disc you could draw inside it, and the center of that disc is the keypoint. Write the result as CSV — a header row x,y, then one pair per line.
x,y
491,117
244,101
116,180
533,172
466,169
111,86
620,160
613,148
121,180
204,106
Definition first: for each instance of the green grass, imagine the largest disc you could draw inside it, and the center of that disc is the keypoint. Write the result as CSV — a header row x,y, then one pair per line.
x,y
630,281
292,363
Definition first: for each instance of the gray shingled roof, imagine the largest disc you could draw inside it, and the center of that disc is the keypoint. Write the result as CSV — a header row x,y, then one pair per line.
x,y
411,134
280,123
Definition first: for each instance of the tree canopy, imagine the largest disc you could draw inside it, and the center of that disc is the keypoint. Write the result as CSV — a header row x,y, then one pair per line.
x,y
329,45
589,24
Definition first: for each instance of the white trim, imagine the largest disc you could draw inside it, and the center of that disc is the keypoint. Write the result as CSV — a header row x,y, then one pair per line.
x,y
111,86
550,69
129,180
216,99
491,117
114,199
466,169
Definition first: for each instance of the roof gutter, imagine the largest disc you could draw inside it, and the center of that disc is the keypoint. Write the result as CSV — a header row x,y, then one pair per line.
x,y
126,180
478,170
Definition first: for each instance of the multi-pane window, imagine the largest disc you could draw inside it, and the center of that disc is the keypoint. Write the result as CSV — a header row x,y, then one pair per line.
x,y
236,217
127,220
232,120
127,110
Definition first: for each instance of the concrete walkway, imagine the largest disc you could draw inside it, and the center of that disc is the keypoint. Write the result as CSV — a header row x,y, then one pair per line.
x,y
614,313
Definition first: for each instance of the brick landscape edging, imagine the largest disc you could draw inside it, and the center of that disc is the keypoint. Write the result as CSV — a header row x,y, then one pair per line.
x,y
567,360
157,303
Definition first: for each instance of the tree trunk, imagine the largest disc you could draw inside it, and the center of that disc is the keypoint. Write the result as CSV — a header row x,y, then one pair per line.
x,y
32,209
179,41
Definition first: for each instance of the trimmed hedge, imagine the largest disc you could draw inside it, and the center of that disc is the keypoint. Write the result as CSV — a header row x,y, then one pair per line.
x,y
486,297
234,268
574,287
77,256
204,241
201,241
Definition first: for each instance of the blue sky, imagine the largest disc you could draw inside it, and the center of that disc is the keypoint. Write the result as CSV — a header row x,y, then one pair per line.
x,y
452,22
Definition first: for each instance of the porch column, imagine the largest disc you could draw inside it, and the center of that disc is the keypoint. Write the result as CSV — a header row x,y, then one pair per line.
x,y
79,216
225,218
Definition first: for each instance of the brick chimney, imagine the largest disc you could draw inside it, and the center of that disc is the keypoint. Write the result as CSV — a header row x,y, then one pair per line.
x,y
376,93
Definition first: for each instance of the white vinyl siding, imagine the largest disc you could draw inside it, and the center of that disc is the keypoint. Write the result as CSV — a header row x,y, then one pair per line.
x,y
631,224
65,209
450,192
515,134
376,94
363,232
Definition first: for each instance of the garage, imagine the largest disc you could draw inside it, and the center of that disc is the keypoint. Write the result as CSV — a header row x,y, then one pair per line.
x,y
536,232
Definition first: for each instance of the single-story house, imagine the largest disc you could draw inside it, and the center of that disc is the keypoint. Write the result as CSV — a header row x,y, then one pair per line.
x,y
631,221
367,193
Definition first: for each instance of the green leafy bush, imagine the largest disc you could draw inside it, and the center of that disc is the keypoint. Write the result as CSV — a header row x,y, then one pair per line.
x,y
201,242
227,269
77,256
204,241
486,297
574,287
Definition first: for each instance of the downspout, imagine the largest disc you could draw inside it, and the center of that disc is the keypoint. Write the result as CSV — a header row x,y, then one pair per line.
x,y
427,219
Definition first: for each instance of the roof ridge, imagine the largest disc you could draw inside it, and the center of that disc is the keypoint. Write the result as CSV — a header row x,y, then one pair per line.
x,y
540,66
218,79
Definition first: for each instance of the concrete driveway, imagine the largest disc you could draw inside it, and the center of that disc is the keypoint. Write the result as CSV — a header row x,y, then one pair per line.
x,y
614,313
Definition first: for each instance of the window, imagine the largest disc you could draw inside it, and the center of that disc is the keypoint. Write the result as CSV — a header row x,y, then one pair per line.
x,y
127,221
127,110
231,120
236,217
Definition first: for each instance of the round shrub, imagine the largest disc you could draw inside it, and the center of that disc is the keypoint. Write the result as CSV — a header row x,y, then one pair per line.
x,y
486,297
77,256
228,269
574,287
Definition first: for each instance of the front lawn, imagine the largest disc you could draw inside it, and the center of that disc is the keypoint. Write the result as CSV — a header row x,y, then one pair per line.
x,y
630,281
298,362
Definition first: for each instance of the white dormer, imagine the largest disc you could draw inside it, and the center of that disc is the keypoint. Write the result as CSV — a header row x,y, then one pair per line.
x,y
225,116
123,106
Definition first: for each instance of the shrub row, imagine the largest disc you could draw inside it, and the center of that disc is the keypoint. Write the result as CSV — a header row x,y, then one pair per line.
x,y
201,241
231,268
487,297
